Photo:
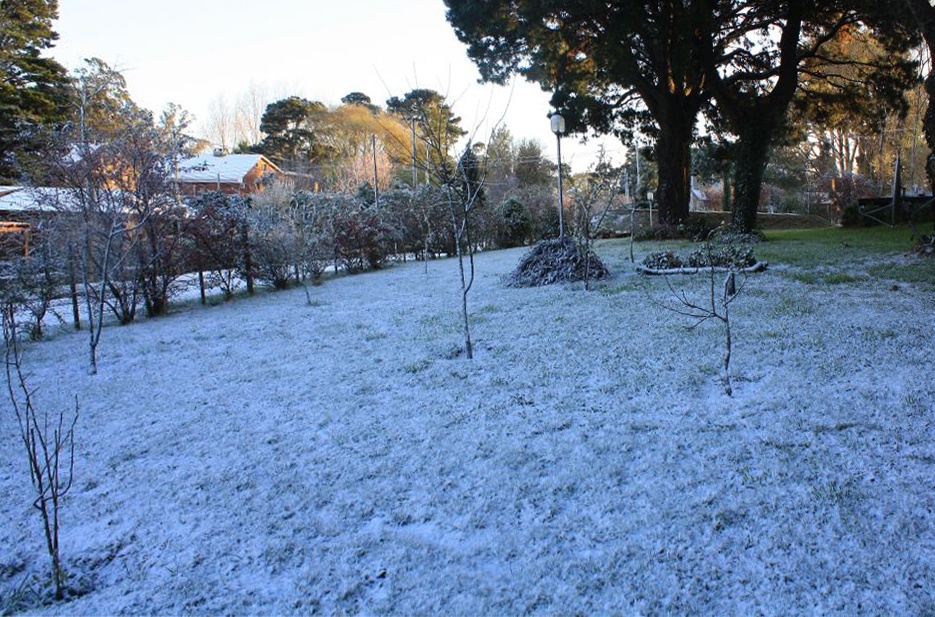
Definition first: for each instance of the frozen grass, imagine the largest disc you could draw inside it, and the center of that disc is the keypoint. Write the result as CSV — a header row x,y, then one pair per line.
x,y
837,246
267,456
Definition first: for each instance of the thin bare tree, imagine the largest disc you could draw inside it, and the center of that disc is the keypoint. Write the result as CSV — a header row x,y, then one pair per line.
x,y
221,124
49,443
593,197
718,299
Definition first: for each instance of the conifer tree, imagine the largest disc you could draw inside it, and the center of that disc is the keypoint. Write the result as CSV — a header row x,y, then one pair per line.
x,y
33,88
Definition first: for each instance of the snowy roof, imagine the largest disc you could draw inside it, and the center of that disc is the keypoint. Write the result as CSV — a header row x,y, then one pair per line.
x,y
25,199
227,169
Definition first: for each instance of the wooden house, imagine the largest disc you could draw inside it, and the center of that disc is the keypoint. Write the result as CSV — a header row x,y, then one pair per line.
x,y
22,212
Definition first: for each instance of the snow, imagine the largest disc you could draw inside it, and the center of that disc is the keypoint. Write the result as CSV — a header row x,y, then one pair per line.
x,y
227,169
23,199
268,456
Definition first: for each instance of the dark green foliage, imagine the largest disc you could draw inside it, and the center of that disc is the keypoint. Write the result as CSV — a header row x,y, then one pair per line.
x,y
531,168
472,180
613,66
694,228
722,255
658,231
663,260
851,217
33,88
291,138
515,224
359,98
726,251
430,110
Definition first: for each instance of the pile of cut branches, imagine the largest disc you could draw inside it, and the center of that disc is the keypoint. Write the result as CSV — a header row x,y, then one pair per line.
x,y
560,260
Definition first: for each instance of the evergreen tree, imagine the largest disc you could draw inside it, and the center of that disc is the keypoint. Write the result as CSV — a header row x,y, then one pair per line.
x,y
755,55
293,126
612,66
33,88
438,127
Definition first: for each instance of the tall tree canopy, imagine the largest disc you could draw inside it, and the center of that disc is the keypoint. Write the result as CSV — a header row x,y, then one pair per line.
x,y
292,127
920,15
361,99
849,92
754,54
431,111
601,60
439,129
355,135
102,106
33,88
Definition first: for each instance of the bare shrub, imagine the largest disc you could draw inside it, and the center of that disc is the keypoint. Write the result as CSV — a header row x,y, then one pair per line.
x,y
217,232
49,443
32,282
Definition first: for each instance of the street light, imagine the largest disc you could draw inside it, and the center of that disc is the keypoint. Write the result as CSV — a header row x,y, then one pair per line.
x,y
558,127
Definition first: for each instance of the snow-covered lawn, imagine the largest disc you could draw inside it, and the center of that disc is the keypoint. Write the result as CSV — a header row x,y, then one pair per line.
x,y
270,456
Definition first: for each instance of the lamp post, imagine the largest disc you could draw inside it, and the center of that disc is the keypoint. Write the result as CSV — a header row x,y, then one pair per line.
x,y
558,127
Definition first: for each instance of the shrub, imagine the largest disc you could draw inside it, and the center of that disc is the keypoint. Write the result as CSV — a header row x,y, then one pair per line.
x,y
359,239
514,224
663,260
273,245
658,231
694,228
722,255
714,254
925,245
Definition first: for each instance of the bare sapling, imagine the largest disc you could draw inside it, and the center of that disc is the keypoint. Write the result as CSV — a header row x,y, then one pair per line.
x,y
632,209
435,130
103,256
715,306
463,184
49,443
111,177
592,202
464,191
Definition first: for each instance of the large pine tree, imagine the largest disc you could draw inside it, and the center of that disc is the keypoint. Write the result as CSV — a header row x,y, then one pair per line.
x,y
33,88
612,67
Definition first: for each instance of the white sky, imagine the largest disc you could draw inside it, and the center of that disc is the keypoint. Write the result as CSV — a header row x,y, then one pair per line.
x,y
191,52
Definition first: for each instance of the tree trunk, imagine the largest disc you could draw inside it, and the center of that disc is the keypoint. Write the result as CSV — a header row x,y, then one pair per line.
x,y
750,162
201,286
73,287
247,257
924,15
673,156
754,116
